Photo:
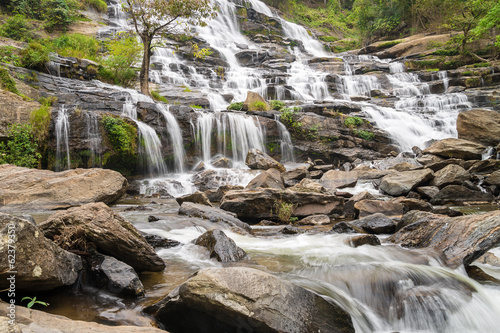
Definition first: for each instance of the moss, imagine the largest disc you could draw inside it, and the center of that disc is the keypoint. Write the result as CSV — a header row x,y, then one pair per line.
x,y
389,44
235,106
123,138
7,82
241,11
365,135
473,82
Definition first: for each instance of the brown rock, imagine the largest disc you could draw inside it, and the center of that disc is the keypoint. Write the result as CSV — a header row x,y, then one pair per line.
x,y
402,183
196,197
259,160
428,192
413,204
221,247
339,179
480,126
388,208
459,193
349,210
308,185
456,148
267,179
450,175
493,179
360,240
314,220
250,103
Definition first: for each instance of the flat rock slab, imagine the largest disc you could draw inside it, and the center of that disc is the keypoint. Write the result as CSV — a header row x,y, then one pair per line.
x,y
388,208
459,240
480,126
339,179
44,189
109,232
239,299
257,159
214,215
402,183
456,148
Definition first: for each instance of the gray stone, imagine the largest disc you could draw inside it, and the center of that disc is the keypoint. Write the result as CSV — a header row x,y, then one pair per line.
x,y
314,220
334,179
375,224
403,182
458,194
360,240
428,192
388,208
450,175
196,197
259,160
456,148
267,179
220,247
213,214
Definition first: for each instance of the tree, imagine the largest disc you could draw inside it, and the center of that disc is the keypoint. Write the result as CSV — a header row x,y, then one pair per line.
x,y
489,21
155,19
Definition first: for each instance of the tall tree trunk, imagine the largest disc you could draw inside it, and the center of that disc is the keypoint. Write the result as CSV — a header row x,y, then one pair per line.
x,y
144,73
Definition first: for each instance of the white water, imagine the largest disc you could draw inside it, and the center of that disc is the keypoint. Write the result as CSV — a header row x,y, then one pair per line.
x,y
94,139
175,134
63,161
286,144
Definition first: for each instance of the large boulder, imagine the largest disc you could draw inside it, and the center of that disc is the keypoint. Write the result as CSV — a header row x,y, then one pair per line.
x,y
308,185
480,126
388,208
450,175
98,225
240,299
263,203
38,262
339,179
458,194
375,224
456,148
402,183
458,240
259,160
24,188
196,197
255,102
220,247
493,179
349,210
267,179
214,215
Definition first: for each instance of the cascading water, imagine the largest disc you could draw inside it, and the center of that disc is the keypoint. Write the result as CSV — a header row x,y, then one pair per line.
x,y
286,144
94,139
63,161
174,131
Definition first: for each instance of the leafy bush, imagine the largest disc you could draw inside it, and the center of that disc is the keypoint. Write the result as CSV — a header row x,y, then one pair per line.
x,y
77,45
34,56
353,121
276,105
21,148
98,5
194,106
258,106
284,210
118,66
6,81
235,106
366,135
40,122
10,55
121,135
156,95
19,28
57,14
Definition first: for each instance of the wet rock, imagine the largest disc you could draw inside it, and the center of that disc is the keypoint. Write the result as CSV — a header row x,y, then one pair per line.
x,y
260,203
484,167
405,166
296,174
412,217
222,162
413,204
223,190
388,208
459,240
314,220
450,175
458,194
427,159
316,174
289,230
403,182
245,299
360,240
24,188
267,179
445,210
258,160
375,224
349,210
308,185
339,179
481,126
141,208
152,218
40,264
456,148
196,197
428,192
249,58
489,259
493,179
213,214
99,226
220,247
115,276
158,241
346,228
479,275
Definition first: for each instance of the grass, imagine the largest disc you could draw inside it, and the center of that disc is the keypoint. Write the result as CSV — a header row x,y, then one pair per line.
x,y
237,106
156,95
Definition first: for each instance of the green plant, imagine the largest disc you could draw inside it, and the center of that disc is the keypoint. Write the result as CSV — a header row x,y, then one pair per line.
x,y
119,65
47,101
389,44
156,95
21,148
186,89
235,106
366,135
40,122
258,106
77,45
200,53
33,301
7,82
19,28
121,135
10,55
284,210
99,5
312,134
57,14
481,64
276,105
353,122
194,106
34,56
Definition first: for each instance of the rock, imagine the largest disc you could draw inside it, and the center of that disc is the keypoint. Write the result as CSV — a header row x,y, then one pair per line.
x,y
308,185
459,193
316,174
158,241
481,126
24,188
267,179
428,192
289,230
459,240
40,264
489,259
334,179
196,197
479,275
450,175
403,182
483,167
223,189
429,159
436,166
413,204
115,276
258,160
220,247
314,220
34,321
456,148
249,58
261,203
296,174
445,210
388,208
99,226
493,179
412,217
349,210
239,299
213,214
222,162
404,166
255,102
360,240
375,224
346,228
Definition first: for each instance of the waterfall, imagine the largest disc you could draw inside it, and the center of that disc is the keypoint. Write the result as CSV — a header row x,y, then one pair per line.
x,y
286,144
94,139
63,161
174,131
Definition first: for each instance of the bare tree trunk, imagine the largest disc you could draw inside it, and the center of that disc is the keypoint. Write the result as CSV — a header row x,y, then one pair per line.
x,y
144,73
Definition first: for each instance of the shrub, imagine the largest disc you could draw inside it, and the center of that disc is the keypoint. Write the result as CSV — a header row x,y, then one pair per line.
x,y
77,45
34,56
98,5
389,44
194,106
19,28
6,81
276,105
40,122
118,66
57,14
21,148
10,55
156,95
121,135
353,121
284,210
235,106
366,135
258,106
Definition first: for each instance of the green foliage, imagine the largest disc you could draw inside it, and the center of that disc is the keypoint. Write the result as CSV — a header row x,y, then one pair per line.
x,y
33,301
7,82
10,55
330,39
21,148
389,44
276,105
489,21
353,122
156,95
76,45
118,66
194,106
34,56
366,135
121,135
258,106
57,14
200,53
289,118
99,5
450,51
284,210
19,28
40,122
47,101
481,64
312,133
187,89
235,106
